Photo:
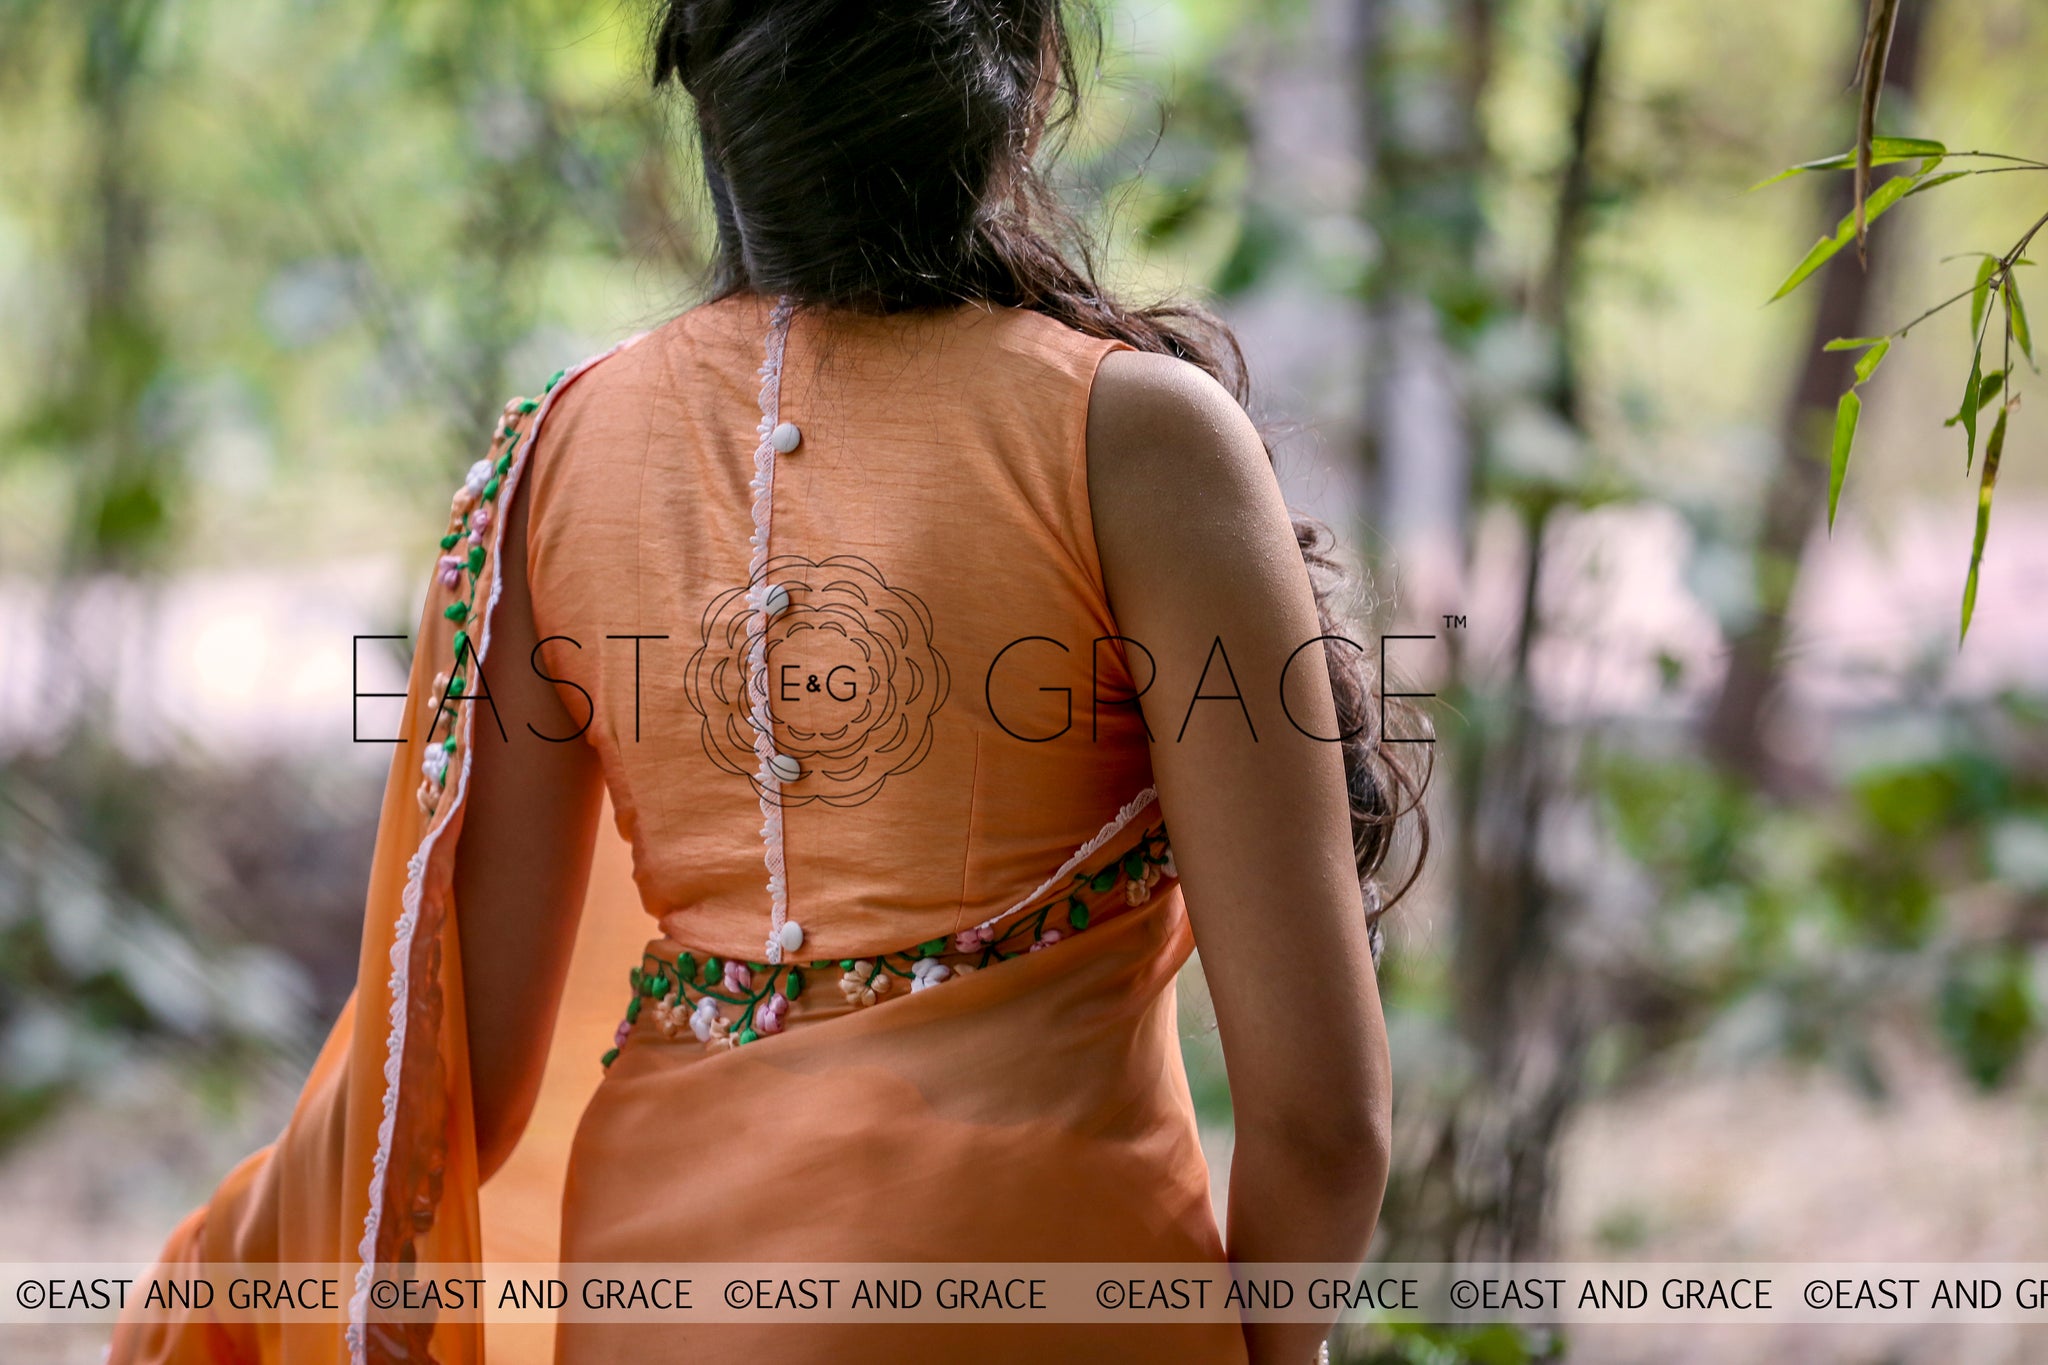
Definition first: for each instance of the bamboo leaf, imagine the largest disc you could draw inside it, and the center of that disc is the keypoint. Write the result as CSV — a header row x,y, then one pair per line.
x,y
1987,393
1980,297
1988,390
2017,313
1926,182
1888,194
1867,363
1819,256
1994,384
1967,414
1853,343
1846,413
1993,448
1883,152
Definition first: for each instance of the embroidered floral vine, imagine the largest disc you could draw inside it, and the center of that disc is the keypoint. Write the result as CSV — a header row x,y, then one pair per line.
x,y
464,553
727,1003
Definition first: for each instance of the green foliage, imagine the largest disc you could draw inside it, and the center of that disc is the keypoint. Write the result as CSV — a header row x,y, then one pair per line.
x,y
1887,195
1438,1344
94,960
2017,312
1884,151
1849,408
1987,483
1980,294
1801,904
1996,280
336,239
22,1107
1989,1012
1847,411
343,235
1261,244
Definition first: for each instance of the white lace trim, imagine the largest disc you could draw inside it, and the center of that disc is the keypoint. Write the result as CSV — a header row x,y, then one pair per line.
x,y
415,884
763,486
1130,811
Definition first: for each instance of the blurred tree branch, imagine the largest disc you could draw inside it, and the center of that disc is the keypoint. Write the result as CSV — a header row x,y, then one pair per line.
x,y
1870,67
1795,492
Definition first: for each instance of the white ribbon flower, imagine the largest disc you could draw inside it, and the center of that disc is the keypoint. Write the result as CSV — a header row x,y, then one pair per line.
x,y
703,1018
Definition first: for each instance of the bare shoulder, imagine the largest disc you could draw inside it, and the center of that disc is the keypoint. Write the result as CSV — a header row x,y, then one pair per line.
x,y
1165,437
1151,415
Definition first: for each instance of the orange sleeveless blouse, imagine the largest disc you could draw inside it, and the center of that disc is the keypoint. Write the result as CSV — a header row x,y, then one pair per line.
x,y
931,669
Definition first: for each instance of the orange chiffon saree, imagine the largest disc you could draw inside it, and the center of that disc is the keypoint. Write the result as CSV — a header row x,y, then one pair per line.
x,y
1033,1108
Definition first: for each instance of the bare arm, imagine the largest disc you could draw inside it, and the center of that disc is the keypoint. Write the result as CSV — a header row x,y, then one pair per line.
x,y
1196,544
520,867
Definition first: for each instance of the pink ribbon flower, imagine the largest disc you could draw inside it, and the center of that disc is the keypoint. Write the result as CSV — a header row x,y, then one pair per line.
x,y
1047,939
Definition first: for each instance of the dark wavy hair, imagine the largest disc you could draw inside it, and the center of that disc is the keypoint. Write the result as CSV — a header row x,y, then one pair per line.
x,y
884,155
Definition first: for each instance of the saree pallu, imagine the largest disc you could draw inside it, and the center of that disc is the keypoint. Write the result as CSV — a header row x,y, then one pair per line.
x,y
1013,1096
377,1166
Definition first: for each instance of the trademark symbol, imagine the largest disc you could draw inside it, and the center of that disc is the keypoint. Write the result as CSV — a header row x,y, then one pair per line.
x,y
1453,622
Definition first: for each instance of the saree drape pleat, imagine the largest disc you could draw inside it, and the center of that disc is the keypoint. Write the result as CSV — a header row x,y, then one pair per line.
x,y
355,1141
377,1166
521,1203
1036,1111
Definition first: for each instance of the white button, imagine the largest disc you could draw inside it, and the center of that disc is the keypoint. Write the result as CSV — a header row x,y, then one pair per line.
x,y
791,936
776,602
785,437
785,768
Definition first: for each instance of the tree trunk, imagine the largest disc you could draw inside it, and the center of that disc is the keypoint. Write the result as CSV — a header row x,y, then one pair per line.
x,y
1473,1179
1737,729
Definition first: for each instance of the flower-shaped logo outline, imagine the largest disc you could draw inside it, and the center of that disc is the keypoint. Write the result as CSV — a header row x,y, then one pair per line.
x,y
892,674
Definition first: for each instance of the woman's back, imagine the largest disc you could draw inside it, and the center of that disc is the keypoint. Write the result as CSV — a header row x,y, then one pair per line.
x,y
917,793
927,608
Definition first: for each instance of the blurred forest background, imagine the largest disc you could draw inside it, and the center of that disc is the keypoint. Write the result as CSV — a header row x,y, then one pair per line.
x,y
1733,944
